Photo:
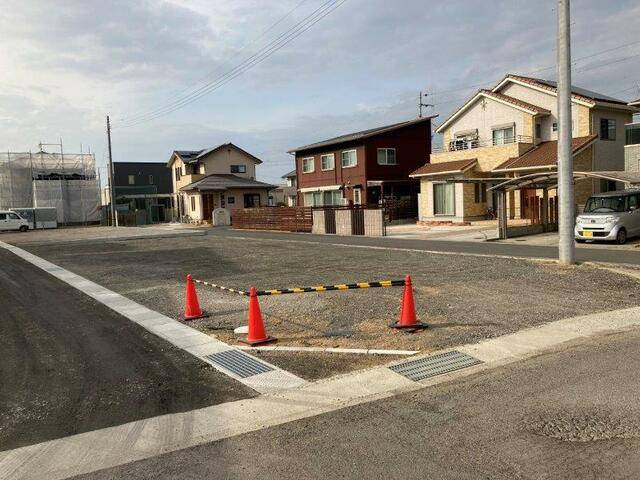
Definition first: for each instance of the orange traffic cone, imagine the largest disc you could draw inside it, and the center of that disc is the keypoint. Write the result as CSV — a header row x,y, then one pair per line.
x,y
408,318
192,306
257,333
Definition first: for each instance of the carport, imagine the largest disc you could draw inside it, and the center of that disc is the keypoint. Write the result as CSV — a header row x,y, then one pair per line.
x,y
546,181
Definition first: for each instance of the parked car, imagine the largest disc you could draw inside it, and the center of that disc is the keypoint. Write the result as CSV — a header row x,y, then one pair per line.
x,y
12,221
611,216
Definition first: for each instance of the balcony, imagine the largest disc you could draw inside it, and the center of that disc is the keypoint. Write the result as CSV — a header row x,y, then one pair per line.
x,y
461,144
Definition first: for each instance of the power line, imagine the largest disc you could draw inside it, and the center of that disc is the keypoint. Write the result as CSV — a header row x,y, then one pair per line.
x,y
227,62
466,87
282,40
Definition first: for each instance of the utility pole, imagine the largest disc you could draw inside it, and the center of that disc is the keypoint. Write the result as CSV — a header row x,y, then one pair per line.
x,y
112,189
566,204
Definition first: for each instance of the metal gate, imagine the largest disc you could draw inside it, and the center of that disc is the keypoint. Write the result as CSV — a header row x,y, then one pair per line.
x,y
329,220
357,221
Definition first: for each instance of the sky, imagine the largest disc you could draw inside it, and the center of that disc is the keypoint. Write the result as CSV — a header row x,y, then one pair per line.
x,y
66,64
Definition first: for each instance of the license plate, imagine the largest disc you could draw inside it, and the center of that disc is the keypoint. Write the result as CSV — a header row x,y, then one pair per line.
x,y
587,233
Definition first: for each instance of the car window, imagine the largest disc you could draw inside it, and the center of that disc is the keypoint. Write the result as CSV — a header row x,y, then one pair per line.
x,y
633,202
13,216
605,204
3,216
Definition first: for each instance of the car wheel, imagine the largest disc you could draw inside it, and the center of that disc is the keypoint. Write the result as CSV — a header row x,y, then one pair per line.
x,y
621,238
24,228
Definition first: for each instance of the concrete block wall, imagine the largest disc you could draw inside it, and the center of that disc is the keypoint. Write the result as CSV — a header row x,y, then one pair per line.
x,y
318,225
374,223
343,222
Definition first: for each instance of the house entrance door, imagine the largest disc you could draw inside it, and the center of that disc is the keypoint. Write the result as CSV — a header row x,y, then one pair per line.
x,y
208,204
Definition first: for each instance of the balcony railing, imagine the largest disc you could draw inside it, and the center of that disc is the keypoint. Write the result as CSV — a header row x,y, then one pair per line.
x,y
471,143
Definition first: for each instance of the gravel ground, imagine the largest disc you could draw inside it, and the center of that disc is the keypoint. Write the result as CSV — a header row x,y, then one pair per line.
x,y
313,366
463,298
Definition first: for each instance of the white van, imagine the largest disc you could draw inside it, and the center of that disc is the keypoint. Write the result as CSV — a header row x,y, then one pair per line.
x,y
12,221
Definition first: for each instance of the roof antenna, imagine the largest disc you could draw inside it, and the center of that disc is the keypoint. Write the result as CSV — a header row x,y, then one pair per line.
x,y
420,104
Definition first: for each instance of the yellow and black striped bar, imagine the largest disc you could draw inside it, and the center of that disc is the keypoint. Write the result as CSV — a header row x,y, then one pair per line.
x,y
326,288
220,287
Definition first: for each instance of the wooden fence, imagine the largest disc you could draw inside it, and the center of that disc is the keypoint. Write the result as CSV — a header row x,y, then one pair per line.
x,y
286,219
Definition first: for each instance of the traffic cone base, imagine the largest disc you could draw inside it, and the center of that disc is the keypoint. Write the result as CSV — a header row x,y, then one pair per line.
x,y
408,320
257,335
192,309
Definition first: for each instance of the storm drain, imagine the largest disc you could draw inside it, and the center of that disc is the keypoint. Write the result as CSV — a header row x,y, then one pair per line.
x,y
436,365
239,363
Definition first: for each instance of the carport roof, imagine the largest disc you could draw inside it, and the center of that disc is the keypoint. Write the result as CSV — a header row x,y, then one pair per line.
x,y
550,179
221,182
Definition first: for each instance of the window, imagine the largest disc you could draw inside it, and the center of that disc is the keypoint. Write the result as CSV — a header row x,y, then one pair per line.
x,y
251,200
201,169
13,216
554,127
132,179
357,196
607,129
193,204
238,169
607,185
318,199
3,216
480,192
633,202
231,200
178,172
349,159
308,165
150,179
503,136
327,162
444,199
386,156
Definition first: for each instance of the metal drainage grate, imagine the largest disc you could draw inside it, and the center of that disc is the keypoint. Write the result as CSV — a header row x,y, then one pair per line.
x,y
435,365
239,363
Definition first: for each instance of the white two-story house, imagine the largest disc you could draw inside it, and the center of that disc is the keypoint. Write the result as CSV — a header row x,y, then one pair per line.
x,y
509,131
219,177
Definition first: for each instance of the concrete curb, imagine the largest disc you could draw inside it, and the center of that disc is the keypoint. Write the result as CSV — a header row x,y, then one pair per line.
x,y
359,351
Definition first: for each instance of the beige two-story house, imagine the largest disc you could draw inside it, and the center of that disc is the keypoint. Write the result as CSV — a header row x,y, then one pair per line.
x,y
219,177
510,131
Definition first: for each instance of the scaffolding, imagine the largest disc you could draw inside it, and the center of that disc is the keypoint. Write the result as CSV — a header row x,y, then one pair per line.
x,y
66,181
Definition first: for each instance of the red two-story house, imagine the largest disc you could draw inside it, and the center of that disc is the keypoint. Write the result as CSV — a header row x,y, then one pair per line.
x,y
363,167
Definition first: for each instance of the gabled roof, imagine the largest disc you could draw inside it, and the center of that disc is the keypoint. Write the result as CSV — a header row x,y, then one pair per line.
x,y
221,182
543,155
456,166
291,174
578,93
194,156
362,135
499,97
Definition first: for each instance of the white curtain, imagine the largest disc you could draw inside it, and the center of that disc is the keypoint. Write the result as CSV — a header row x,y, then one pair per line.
x,y
444,198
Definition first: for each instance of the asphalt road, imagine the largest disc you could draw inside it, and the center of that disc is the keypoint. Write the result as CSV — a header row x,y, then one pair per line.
x,y
609,255
572,413
69,364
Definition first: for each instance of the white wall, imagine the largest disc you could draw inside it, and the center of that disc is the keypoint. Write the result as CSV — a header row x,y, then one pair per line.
x,y
484,114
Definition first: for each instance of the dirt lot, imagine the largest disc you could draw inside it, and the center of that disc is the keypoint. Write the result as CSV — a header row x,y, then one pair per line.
x,y
463,299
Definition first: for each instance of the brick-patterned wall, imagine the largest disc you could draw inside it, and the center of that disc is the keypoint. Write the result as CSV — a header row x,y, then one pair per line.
x,y
318,222
374,222
343,222
488,157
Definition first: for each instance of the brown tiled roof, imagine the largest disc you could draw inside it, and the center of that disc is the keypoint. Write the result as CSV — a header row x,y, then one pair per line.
x,y
544,154
444,167
515,101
